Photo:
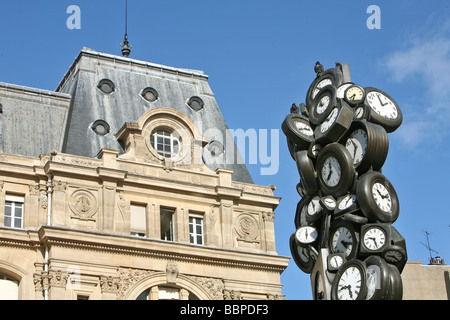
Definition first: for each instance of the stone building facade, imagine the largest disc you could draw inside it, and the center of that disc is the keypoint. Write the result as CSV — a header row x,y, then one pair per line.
x,y
116,186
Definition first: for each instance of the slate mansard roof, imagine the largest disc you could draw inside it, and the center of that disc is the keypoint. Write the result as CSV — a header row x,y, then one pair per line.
x,y
35,122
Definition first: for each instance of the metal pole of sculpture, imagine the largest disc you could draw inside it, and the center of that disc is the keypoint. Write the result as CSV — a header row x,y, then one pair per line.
x,y
344,235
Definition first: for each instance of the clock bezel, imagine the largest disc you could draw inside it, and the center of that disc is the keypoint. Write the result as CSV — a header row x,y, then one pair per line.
x,y
361,266
341,154
368,204
390,125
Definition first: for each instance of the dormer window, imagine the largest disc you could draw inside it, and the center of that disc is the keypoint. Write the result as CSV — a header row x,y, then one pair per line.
x,y
150,94
165,143
106,86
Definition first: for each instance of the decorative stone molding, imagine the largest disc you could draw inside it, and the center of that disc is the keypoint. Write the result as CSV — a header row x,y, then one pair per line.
x,y
247,228
268,216
83,205
213,286
59,186
58,279
232,295
172,272
128,277
109,284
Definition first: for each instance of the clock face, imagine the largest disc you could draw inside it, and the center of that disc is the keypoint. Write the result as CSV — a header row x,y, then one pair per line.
x,y
336,261
304,128
347,201
329,120
331,171
372,280
320,85
342,241
350,284
374,239
357,145
393,256
330,203
382,197
354,94
314,206
382,105
340,91
359,112
323,104
306,234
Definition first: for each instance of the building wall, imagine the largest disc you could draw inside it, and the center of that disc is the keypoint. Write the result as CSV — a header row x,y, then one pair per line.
x,y
425,282
76,242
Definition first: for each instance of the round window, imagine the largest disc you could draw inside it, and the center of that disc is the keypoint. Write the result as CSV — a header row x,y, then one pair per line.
x,y
150,94
106,86
100,127
196,103
165,143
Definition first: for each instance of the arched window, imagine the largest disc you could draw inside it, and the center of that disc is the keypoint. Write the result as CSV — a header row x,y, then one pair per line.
x,y
165,143
9,288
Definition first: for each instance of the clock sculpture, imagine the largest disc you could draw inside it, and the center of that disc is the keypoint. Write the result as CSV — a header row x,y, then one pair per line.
x,y
344,235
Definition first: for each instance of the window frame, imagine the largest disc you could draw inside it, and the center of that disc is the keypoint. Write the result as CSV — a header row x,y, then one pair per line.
x,y
193,235
161,133
11,201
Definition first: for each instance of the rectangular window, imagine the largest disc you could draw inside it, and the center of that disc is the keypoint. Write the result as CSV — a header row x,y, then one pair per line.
x,y
138,221
167,224
14,211
196,229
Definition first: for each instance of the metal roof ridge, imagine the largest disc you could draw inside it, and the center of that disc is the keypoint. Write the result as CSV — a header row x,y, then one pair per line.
x,y
34,90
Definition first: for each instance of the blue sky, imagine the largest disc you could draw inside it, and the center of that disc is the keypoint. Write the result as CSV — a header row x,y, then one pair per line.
x,y
259,55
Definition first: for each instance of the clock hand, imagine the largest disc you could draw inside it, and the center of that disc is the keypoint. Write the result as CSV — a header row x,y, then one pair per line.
x,y
345,243
381,102
375,241
331,171
354,148
352,97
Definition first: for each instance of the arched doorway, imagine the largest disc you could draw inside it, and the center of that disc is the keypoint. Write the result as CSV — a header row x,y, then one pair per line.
x,y
9,288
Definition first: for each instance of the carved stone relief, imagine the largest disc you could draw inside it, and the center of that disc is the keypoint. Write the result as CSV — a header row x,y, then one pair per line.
x,y
247,228
83,205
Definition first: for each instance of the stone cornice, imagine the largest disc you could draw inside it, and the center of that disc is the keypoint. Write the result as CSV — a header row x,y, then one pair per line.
x,y
174,251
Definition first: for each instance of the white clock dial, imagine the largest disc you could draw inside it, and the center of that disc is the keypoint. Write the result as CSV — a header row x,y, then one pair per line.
x,y
374,239
357,145
340,91
323,104
382,105
359,112
382,197
329,120
320,85
349,285
342,241
306,234
330,203
372,280
304,128
347,201
314,206
331,172
336,261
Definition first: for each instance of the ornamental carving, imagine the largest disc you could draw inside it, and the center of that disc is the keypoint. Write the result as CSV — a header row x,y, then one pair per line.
x,y
128,277
232,295
83,205
213,286
247,228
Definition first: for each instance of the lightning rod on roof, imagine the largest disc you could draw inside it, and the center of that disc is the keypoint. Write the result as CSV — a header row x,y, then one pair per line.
x,y
126,46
